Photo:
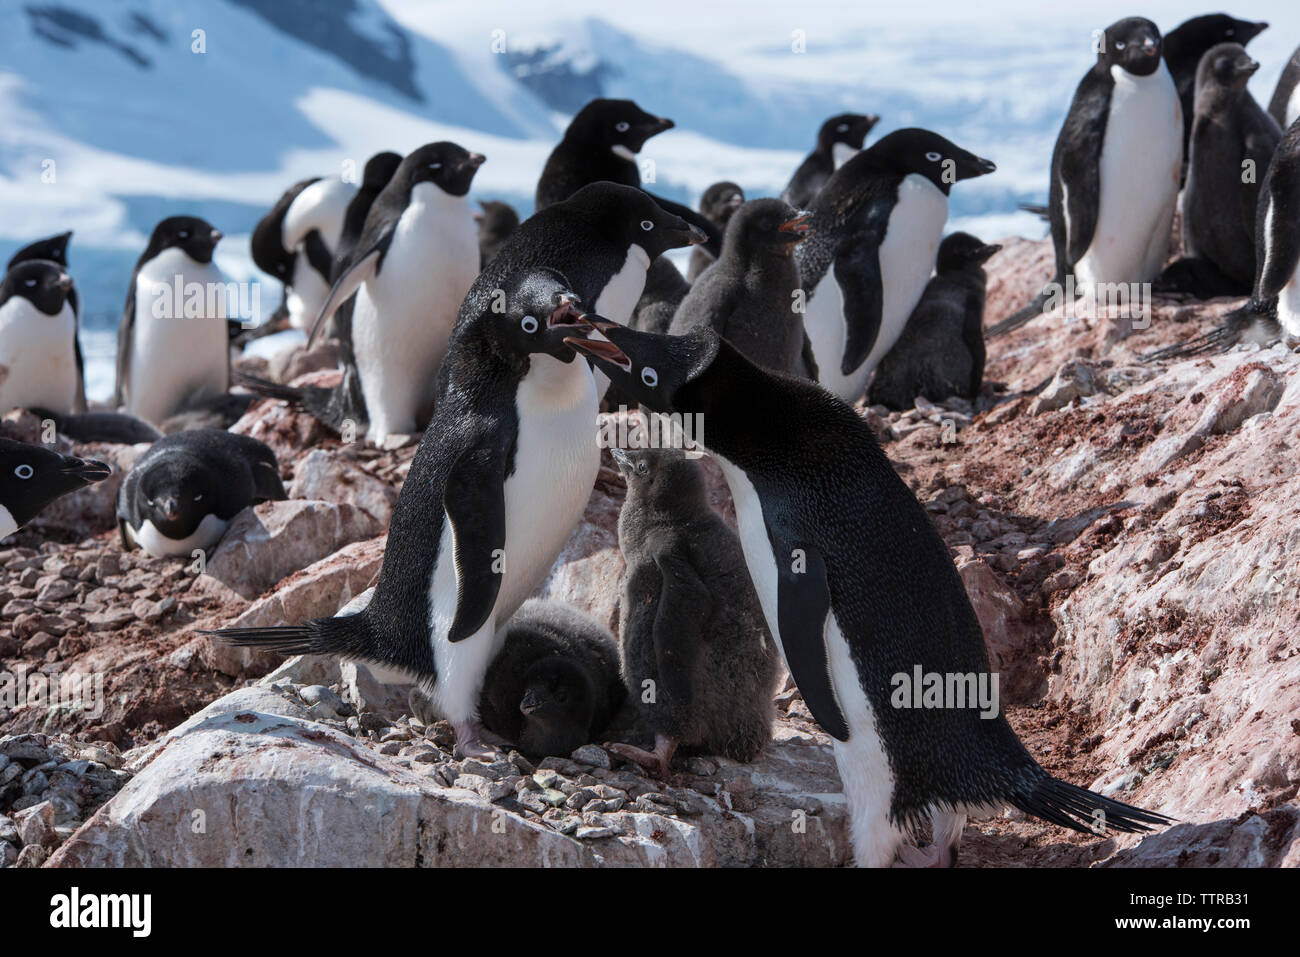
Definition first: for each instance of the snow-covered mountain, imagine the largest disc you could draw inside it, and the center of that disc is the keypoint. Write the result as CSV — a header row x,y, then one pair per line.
x,y
115,113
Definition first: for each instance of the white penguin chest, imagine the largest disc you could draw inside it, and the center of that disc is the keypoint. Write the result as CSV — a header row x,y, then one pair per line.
x,y
306,293
1292,107
322,206
841,153
7,524
38,365
1140,166
619,297
1288,299
155,543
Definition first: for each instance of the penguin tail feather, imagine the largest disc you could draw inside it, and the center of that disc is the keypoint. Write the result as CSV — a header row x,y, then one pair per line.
x,y
267,388
317,401
1219,339
1079,809
341,637
1018,318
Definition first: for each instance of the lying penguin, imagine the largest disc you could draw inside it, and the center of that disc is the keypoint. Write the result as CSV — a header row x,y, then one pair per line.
x,y
31,477
184,491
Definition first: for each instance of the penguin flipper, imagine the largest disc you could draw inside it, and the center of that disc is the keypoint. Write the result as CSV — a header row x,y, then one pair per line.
x,y
345,287
125,330
79,400
267,486
475,504
803,604
1079,175
681,613
857,270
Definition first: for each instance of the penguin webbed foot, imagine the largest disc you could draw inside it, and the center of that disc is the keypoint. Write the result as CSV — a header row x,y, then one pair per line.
x,y
932,855
475,741
657,762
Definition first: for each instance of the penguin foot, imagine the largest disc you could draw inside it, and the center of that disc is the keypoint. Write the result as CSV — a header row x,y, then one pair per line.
x,y
656,762
932,855
475,741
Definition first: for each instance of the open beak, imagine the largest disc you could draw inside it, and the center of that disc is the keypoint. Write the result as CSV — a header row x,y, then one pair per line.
x,y
601,349
799,226
568,315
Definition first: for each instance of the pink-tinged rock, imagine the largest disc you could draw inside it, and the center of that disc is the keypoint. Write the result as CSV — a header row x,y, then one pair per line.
x,y
330,477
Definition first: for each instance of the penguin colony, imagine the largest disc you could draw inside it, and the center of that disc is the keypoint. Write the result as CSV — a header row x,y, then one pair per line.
x,y
501,339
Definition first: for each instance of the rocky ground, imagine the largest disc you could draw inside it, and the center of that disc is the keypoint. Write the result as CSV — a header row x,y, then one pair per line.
x,y
1123,530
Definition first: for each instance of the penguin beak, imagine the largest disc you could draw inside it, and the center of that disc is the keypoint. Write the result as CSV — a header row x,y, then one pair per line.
x,y
986,252
1150,47
695,236
531,702
64,281
567,314
171,511
622,459
216,235
1246,67
602,348
663,123
88,471
798,226
736,201
475,161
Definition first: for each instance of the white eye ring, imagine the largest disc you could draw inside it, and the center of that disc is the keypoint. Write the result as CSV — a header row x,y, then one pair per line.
x,y
183,234
842,128
29,282
642,468
435,166
622,126
1119,44
149,502
647,225
933,157
650,377
198,497
23,471
529,324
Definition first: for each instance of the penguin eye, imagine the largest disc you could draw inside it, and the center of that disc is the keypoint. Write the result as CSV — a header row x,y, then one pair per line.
x,y
647,225
183,234
650,377
529,324
1119,44
933,157
642,468
622,127
149,502
23,471
198,497
842,128
29,282
1231,31
435,166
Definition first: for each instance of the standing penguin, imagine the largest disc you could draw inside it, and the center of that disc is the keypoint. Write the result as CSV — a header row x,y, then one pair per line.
x,y
941,350
717,205
414,262
38,338
876,228
696,653
55,249
497,485
1115,169
665,288
172,346
838,141
31,477
495,224
862,594
378,171
1233,140
1284,105
749,295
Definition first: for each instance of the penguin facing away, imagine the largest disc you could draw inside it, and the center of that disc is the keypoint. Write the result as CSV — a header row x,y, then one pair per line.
x,y
860,591
717,204
379,169
173,350
1284,105
38,336
55,249
495,224
271,255
692,631
839,140
497,484
555,684
184,491
749,295
941,350
876,227
31,477
1116,168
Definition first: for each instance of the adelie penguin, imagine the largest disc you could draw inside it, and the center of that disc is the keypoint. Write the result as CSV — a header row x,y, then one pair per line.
x,y
495,224
838,141
717,205
941,350
31,477
38,338
697,657
859,590
1115,170
750,295
1233,140
876,228
184,491
55,249
376,174
496,487
172,346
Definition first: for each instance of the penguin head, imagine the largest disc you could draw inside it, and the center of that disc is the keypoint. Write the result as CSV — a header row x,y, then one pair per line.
x,y
851,129
42,282
497,220
1192,38
629,216
175,492
720,201
765,226
1133,44
195,237
555,688
379,170
653,369
540,314
1226,66
921,152
449,167
55,249
660,475
619,126
963,251
32,476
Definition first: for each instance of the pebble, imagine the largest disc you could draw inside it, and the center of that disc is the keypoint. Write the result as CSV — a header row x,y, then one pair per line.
x,y
585,833
593,755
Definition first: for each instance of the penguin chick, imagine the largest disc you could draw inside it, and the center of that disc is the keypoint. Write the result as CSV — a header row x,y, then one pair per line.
x,y
696,653
748,295
555,684
941,350
717,205
31,477
495,225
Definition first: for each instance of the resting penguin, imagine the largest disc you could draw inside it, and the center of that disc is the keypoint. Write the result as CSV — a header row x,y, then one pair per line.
x,y
697,657
31,477
749,295
1284,106
1115,169
861,593
414,262
183,492
555,684
379,169
497,485
1273,310
1231,135
716,205
55,249
941,350
1187,43
172,347
876,226
38,338
838,141
495,224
